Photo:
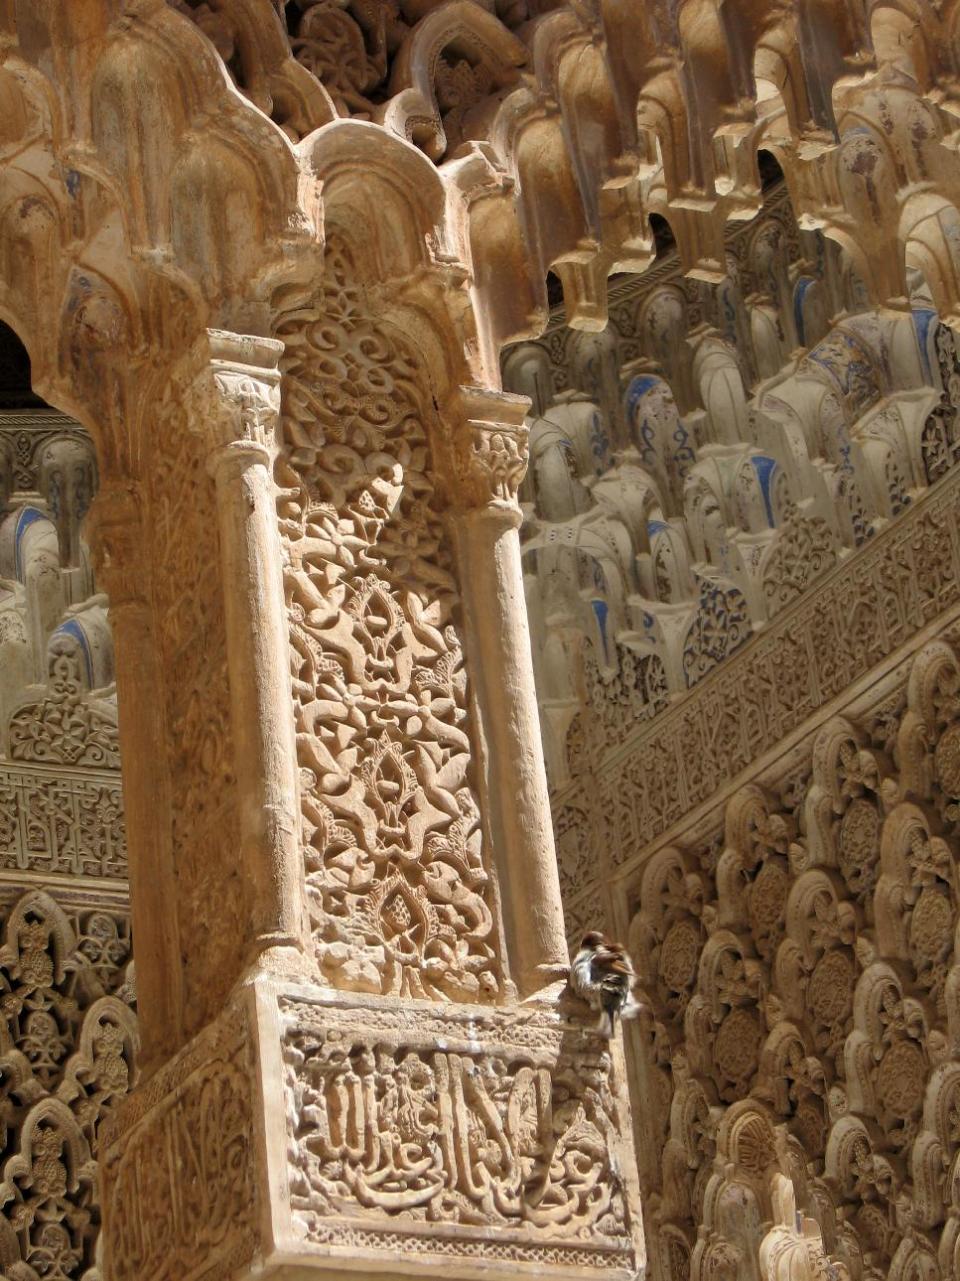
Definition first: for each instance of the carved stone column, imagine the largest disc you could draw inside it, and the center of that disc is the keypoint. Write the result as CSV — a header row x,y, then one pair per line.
x,y
487,463
245,412
391,1106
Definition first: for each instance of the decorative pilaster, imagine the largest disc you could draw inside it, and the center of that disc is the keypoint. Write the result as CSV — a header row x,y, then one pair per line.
x,y
487,460
116,532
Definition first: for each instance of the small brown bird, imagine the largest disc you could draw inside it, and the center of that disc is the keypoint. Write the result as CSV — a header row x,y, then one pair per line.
x,y
603,975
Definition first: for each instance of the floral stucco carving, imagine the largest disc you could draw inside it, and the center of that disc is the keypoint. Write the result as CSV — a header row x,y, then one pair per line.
x,y
397,878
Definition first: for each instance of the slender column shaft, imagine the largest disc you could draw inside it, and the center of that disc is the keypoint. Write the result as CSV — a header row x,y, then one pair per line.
x,y
247,384
260,692
488,457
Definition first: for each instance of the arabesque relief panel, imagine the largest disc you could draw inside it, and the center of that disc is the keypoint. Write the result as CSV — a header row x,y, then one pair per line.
x,y
194,1117
68,1044
184,582
485,1140
403,1126
398,878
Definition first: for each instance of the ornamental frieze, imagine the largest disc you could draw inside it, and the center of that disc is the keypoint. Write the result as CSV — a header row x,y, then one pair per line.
x,y
662,770
57,822
407,1125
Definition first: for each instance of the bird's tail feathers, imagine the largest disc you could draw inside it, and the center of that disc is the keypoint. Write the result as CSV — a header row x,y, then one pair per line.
x,y
607,1015
606,1023
631,1008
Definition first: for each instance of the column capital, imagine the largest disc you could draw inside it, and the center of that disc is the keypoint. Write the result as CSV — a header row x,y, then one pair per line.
x,y
246,390
486,437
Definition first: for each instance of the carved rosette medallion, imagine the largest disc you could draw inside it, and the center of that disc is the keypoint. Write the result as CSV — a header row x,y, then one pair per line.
x,y
830,991
677,967
947,761
858,845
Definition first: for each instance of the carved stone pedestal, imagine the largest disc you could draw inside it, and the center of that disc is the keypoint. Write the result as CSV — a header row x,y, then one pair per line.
x,y
309,1131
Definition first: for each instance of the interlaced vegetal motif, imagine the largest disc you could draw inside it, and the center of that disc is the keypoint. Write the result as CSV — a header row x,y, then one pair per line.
x,y
396,878
387,1124
802,1003
68,1038
805,550
576,838
939,444
351,48
66,726
720,626
28,434
635,689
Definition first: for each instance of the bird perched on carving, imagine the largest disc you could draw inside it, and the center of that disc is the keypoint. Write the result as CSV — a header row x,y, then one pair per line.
x,y
602,974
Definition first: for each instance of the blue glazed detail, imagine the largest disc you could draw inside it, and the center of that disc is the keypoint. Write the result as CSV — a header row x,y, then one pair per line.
x,y
28,516
923,317
683,455
638,389
72,628
729,314
847,364
601,610
765,467
803,284
599,444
